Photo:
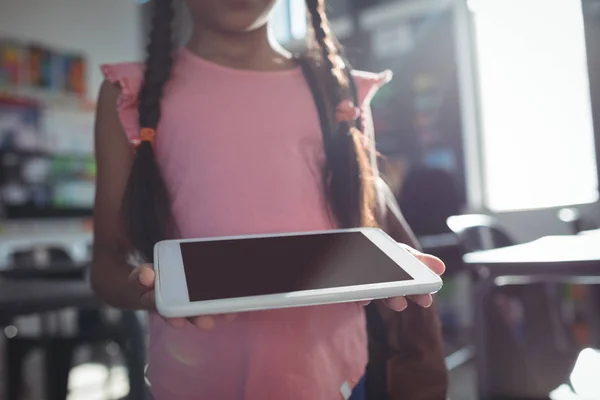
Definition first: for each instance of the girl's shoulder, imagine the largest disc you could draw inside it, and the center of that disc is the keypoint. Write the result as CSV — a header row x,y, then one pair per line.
x,y
127,75
130,69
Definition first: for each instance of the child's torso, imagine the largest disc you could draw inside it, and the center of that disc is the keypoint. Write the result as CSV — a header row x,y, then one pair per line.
x,y
242,153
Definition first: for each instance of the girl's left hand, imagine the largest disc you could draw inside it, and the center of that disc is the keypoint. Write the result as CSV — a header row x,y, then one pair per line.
x,y
424,300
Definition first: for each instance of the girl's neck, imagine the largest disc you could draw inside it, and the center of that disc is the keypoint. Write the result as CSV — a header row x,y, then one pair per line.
x,y
250,50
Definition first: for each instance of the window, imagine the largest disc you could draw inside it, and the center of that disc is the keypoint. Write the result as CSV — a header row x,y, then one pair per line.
x,y
289,20
537,138
280,21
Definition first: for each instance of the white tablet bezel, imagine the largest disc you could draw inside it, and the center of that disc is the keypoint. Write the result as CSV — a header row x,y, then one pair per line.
x,y
172,297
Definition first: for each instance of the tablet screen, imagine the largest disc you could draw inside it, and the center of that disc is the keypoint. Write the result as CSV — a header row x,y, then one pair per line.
x,y
260,266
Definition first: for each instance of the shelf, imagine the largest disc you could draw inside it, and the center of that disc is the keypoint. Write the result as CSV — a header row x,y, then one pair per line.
x,y
47,154
48,98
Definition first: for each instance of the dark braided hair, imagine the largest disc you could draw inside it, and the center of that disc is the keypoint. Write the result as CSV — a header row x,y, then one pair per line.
x,y
146,205
348,176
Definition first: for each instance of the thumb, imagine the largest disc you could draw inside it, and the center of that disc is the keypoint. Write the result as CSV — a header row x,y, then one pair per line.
x,y
146,276
142,282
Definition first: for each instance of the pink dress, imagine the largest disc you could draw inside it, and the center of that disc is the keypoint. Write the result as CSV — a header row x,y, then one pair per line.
x,y
241,153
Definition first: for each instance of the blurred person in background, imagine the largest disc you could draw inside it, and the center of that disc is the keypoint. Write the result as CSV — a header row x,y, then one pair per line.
x,y
430,196
227,141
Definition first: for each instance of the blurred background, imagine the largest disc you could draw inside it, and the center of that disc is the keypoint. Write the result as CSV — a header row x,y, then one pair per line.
x,y
489,136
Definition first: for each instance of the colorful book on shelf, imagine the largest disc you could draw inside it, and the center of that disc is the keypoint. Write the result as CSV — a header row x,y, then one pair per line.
x,y
11,64
41,70
51,77
74,74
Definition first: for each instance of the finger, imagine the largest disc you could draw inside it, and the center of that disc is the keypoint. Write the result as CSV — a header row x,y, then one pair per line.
x,y
396,303
176,323
424,300
364,303
434,263
206,323
146,277
148,301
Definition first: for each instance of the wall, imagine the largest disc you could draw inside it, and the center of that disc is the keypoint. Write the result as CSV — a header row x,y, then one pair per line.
x,y
104,30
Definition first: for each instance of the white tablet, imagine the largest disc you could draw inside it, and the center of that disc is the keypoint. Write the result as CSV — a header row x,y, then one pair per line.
x,y
249,273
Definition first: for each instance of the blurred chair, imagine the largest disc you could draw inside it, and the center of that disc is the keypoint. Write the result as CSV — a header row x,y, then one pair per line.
x,y
479,232
572,218
576,222
530,348
92,329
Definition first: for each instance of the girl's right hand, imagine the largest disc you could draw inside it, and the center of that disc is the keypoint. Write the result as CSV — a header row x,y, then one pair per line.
x,y
142,278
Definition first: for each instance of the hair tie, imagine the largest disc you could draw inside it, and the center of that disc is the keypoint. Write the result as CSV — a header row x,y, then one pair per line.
x,y
346,111
146,135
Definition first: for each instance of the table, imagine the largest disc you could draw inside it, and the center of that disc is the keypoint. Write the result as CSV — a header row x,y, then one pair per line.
x,y
22,297
57,271
559,259
75,243
37,296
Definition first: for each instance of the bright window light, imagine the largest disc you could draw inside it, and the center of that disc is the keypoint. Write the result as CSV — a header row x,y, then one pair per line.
x,y
584,378
288,21
298,18
280,21
536,119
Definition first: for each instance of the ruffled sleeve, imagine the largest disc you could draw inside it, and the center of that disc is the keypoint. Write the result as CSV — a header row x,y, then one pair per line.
x,y
129,77
368,83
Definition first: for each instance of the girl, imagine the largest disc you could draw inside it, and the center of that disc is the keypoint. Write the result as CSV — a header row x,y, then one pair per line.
x,y
227,140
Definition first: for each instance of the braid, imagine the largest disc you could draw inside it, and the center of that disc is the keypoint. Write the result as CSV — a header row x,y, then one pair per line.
x,y
349,176
146,206
158,63
327,43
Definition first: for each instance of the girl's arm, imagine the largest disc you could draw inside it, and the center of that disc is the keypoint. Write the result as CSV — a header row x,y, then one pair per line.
x,y
113,279
111,274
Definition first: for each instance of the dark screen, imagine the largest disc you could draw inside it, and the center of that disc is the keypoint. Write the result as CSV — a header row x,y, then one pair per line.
x,y
260,266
